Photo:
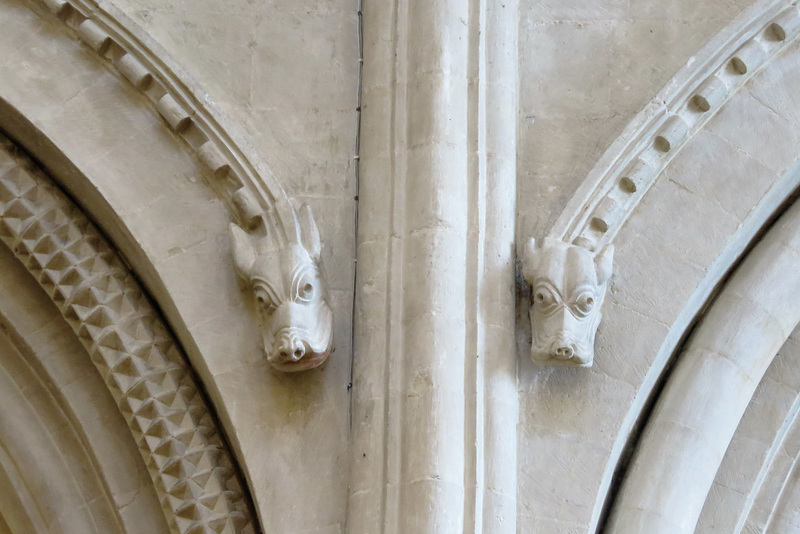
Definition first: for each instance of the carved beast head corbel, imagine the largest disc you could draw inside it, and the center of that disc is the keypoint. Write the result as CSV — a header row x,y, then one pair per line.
x,y
290,290
568,287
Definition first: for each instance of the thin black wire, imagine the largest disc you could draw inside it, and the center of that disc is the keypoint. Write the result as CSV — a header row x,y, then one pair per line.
x,y
357,177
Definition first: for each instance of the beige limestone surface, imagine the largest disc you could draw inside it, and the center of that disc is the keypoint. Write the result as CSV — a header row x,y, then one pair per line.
x,y
167,219
285,72
757,472
83,428
573,422
586,69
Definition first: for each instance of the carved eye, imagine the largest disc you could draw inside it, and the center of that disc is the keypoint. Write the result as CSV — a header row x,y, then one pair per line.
x,y
584,303
264,300
543,297
305,290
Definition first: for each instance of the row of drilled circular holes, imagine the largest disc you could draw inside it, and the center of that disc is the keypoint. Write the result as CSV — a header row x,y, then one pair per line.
x,y
181,122
697,103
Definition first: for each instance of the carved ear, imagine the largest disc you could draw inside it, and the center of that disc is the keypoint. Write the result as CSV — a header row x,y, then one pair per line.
x,y
604,262
528,259
244,255
309,232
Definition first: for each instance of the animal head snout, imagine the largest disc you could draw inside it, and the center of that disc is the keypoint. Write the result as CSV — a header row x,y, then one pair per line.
x,y
299,336
290,348
563,351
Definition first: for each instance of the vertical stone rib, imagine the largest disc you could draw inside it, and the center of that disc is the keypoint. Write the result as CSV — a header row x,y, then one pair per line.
x,y
427,279
497,359
408,420
491,406
431,399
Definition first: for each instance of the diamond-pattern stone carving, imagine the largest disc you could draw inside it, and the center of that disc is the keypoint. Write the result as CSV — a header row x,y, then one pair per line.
x,y
134,352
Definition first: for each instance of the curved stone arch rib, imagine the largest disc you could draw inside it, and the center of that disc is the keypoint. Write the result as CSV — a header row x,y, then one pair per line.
x,y
238,177
752,212
758,464
772,482
54,480
40,354
625,172
19,505
786,501
696,416
133,350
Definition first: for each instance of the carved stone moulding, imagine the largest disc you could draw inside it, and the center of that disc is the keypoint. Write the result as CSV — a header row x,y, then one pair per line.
x,y
237,177
568,287
631,165
296,336
131,347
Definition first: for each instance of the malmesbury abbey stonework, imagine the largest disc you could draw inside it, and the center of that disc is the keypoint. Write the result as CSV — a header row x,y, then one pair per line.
x,y
399,266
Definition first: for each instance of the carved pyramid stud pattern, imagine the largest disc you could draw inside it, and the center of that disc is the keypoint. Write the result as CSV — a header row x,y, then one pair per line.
x,y
131,347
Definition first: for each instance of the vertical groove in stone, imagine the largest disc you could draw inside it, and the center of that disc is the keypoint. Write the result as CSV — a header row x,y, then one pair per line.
x,y
376,244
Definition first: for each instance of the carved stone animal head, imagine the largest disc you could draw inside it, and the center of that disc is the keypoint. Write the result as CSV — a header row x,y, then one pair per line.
x,y
568,287
291,293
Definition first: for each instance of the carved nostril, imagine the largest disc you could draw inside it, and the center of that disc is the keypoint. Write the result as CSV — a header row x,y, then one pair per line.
x,y
564,353
290,348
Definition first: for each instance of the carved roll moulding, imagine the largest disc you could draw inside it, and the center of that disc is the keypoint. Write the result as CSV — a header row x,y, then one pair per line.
x,y
568,288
